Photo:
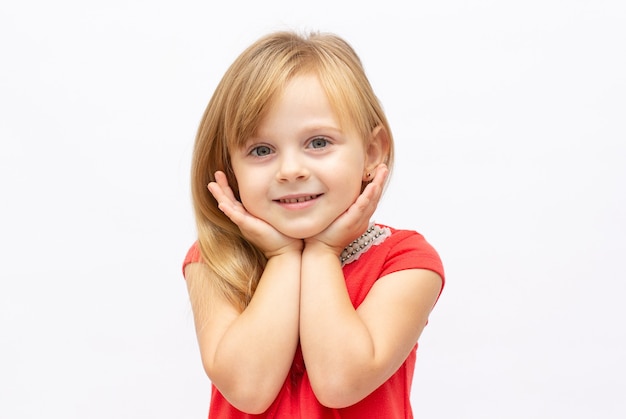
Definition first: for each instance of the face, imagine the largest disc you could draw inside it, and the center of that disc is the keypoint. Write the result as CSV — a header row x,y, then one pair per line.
x,y
302,169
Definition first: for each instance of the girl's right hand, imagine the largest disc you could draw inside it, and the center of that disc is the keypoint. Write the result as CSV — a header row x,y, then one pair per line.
x,y
263,235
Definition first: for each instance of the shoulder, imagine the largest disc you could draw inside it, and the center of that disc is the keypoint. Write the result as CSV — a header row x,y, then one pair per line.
x,y
193,255
401,250
408,249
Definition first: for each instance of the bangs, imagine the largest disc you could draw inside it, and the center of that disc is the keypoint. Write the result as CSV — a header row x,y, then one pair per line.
x,y
258,78
345,96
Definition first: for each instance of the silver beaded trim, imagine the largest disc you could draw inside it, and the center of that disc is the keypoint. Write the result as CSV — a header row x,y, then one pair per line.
x,y
373,235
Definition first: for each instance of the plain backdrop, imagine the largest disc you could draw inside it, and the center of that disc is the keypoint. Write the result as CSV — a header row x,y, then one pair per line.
x,y
509,120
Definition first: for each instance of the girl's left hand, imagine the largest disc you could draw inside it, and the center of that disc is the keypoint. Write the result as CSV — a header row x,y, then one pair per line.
x,y
352,223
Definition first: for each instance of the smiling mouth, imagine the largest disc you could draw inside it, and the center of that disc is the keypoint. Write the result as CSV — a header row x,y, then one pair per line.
x,y
298,199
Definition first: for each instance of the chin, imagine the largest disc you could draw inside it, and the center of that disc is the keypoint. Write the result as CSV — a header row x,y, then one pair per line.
x,y
302,232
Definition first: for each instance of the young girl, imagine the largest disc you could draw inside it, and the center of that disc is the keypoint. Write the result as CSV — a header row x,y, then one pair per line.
x,y
302,307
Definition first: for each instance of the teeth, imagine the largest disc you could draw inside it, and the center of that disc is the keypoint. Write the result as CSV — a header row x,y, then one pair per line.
x,y
295,200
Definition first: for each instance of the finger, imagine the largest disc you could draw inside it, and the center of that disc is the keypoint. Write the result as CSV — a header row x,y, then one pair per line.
x,y
218,193
365,205
232,209
222,181
234,213
380,175
373,191
226,201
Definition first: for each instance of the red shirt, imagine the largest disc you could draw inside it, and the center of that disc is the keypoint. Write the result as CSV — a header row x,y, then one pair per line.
x,y
403,249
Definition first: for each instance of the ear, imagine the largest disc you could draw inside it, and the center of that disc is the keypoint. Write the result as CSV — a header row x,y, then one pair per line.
x,y
376,152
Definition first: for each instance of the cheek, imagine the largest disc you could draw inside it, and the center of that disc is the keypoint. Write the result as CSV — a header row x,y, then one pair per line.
x,y
351,170
251,191
242,177
348,186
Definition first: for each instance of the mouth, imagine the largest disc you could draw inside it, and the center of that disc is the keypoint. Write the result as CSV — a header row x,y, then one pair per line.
x,y
298,199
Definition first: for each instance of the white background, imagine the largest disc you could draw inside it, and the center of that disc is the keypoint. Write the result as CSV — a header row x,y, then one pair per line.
x,y
509,119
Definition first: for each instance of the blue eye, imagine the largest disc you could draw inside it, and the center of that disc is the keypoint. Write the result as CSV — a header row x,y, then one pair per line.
x,y
319,142
261,151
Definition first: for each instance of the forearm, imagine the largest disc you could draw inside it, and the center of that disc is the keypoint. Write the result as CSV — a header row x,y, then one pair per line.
x,y
255,352
337,346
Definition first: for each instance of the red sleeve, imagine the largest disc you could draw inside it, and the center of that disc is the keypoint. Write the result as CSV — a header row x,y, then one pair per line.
x,y
193,255
412,251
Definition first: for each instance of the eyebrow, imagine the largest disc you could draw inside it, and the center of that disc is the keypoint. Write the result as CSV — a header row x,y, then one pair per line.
x,y
306,130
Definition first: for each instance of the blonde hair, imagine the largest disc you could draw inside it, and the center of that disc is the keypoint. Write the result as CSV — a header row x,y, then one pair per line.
x,y
239,103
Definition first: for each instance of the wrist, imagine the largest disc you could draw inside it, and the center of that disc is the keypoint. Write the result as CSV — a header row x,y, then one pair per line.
x,y
292,249
318,249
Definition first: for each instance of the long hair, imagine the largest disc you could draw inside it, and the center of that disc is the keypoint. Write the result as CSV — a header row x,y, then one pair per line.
x,y
241,100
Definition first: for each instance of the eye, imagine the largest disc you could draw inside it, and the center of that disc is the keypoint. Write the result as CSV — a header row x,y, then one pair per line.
x,y
318,142
261,151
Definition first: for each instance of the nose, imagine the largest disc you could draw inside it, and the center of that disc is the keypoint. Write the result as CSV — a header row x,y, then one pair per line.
x,y
292,168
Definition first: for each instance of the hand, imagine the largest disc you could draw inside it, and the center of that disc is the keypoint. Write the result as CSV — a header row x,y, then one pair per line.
x,y
352,223
269,240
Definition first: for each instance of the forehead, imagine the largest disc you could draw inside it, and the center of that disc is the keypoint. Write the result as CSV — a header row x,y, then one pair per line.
x,y
303,100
